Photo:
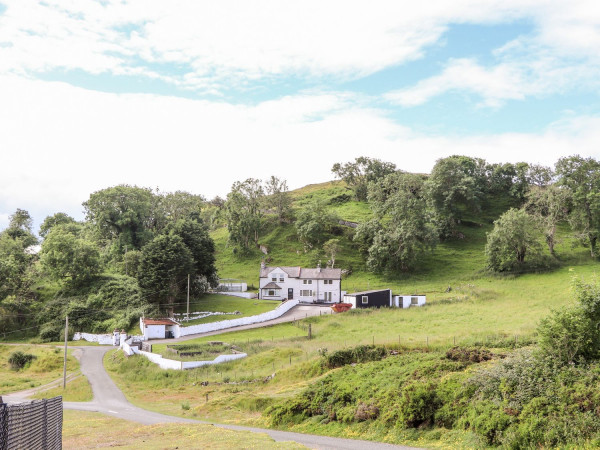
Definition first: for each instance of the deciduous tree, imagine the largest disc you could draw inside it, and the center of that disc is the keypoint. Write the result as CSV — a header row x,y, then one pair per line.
x,y
514,240
359,173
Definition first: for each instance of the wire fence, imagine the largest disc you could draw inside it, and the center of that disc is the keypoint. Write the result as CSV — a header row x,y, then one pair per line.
x,y
31,426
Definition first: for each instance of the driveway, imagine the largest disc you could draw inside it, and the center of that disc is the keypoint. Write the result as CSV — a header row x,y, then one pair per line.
x,y
296,313
108,399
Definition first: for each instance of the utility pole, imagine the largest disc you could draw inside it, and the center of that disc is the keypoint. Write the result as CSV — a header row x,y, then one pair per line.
x,y
65,363
188,298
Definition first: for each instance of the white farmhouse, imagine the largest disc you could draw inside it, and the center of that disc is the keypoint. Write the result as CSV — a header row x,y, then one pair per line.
x,y
296,283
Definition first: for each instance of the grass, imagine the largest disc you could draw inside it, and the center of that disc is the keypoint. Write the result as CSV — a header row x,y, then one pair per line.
x,y
86,430
227,304
78,390
47,367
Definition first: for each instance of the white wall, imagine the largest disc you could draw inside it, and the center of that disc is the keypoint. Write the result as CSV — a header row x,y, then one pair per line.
x,y
404,301
165,363
154,332
350,299
102,339
214,326
237,294
317,286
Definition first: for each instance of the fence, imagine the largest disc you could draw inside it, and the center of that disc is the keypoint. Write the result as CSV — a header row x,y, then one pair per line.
x,y
32,425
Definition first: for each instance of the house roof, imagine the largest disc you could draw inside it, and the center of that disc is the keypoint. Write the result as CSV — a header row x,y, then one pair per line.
x,y
271,285
299,272
367,292
159,322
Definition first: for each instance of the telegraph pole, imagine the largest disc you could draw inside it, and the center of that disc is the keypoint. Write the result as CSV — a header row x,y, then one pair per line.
x,y
188,298
65,363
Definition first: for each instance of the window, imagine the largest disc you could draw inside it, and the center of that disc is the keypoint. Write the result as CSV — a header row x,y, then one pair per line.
x,y
328,296
306,293
327,281
274,279
414,300
306,281
271,293
281,278
365,300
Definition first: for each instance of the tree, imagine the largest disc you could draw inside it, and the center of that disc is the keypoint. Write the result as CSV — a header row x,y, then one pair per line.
x,y
244,216
202,248
122,215
49,222
332,248
314,223
68,257
359,173
514,239
19,228
582,177
456,183
397,243
549,206
164,267
172,206
278,197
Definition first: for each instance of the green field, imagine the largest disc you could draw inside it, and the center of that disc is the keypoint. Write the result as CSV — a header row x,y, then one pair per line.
x,y
466,306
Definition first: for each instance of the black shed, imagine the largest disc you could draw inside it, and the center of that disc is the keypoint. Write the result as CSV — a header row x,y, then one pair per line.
x,y
370,299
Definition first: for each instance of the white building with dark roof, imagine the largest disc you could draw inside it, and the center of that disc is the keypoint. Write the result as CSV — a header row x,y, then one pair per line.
x,y
296,283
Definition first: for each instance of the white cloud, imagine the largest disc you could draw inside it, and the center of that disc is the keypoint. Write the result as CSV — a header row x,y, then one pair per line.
x,y
210,45
59,143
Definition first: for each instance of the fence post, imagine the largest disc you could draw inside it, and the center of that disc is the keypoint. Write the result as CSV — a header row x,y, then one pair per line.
x,y
309,331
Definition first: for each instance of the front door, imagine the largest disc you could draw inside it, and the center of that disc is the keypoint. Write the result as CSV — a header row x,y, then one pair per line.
x,y
290,294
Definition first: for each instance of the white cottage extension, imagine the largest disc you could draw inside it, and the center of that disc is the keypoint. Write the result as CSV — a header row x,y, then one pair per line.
x,y
296,283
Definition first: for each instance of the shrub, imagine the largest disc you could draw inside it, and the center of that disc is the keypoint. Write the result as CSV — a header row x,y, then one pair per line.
x,y
418,404
466,354
18,360
360,354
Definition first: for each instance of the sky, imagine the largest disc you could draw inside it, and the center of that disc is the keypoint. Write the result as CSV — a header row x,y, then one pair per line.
x,y
195,95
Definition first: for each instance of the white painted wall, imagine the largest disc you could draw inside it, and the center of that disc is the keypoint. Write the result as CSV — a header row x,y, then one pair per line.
x,y
350,299
102,339
154,332
219,359
404,301
214,326
238,294
165,363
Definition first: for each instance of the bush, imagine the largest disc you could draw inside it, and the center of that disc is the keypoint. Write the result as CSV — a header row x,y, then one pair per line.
x,y
466,354
360,354
18,360
418,404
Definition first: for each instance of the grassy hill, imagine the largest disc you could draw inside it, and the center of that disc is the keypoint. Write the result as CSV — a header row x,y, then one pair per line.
x,y
418,394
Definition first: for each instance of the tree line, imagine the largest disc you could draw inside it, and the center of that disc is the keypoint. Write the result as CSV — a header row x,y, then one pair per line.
x,y
131,255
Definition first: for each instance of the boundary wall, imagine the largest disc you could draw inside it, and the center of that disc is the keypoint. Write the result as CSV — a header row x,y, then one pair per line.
x,y
215,326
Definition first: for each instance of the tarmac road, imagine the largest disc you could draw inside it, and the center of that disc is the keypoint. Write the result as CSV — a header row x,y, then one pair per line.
x,y
108,399
296,313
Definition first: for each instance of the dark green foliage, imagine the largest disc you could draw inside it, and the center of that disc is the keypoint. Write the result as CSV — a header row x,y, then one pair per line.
x,y
582,177
122,215
243,213
514,243
51,221
315,223
69,257
164,267
18,360
360,354
359,173
397,243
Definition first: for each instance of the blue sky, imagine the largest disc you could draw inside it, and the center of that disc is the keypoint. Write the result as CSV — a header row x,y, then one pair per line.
x,y
188,95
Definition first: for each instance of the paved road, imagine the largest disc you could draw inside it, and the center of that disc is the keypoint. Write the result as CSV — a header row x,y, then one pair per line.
x,y
109,399
296,313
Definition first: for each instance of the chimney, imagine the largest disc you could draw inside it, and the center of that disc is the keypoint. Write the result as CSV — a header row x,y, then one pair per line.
x,y
262,264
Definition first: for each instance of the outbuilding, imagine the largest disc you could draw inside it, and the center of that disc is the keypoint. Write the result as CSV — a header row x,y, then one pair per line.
x,y
159,328
406,301
370,299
